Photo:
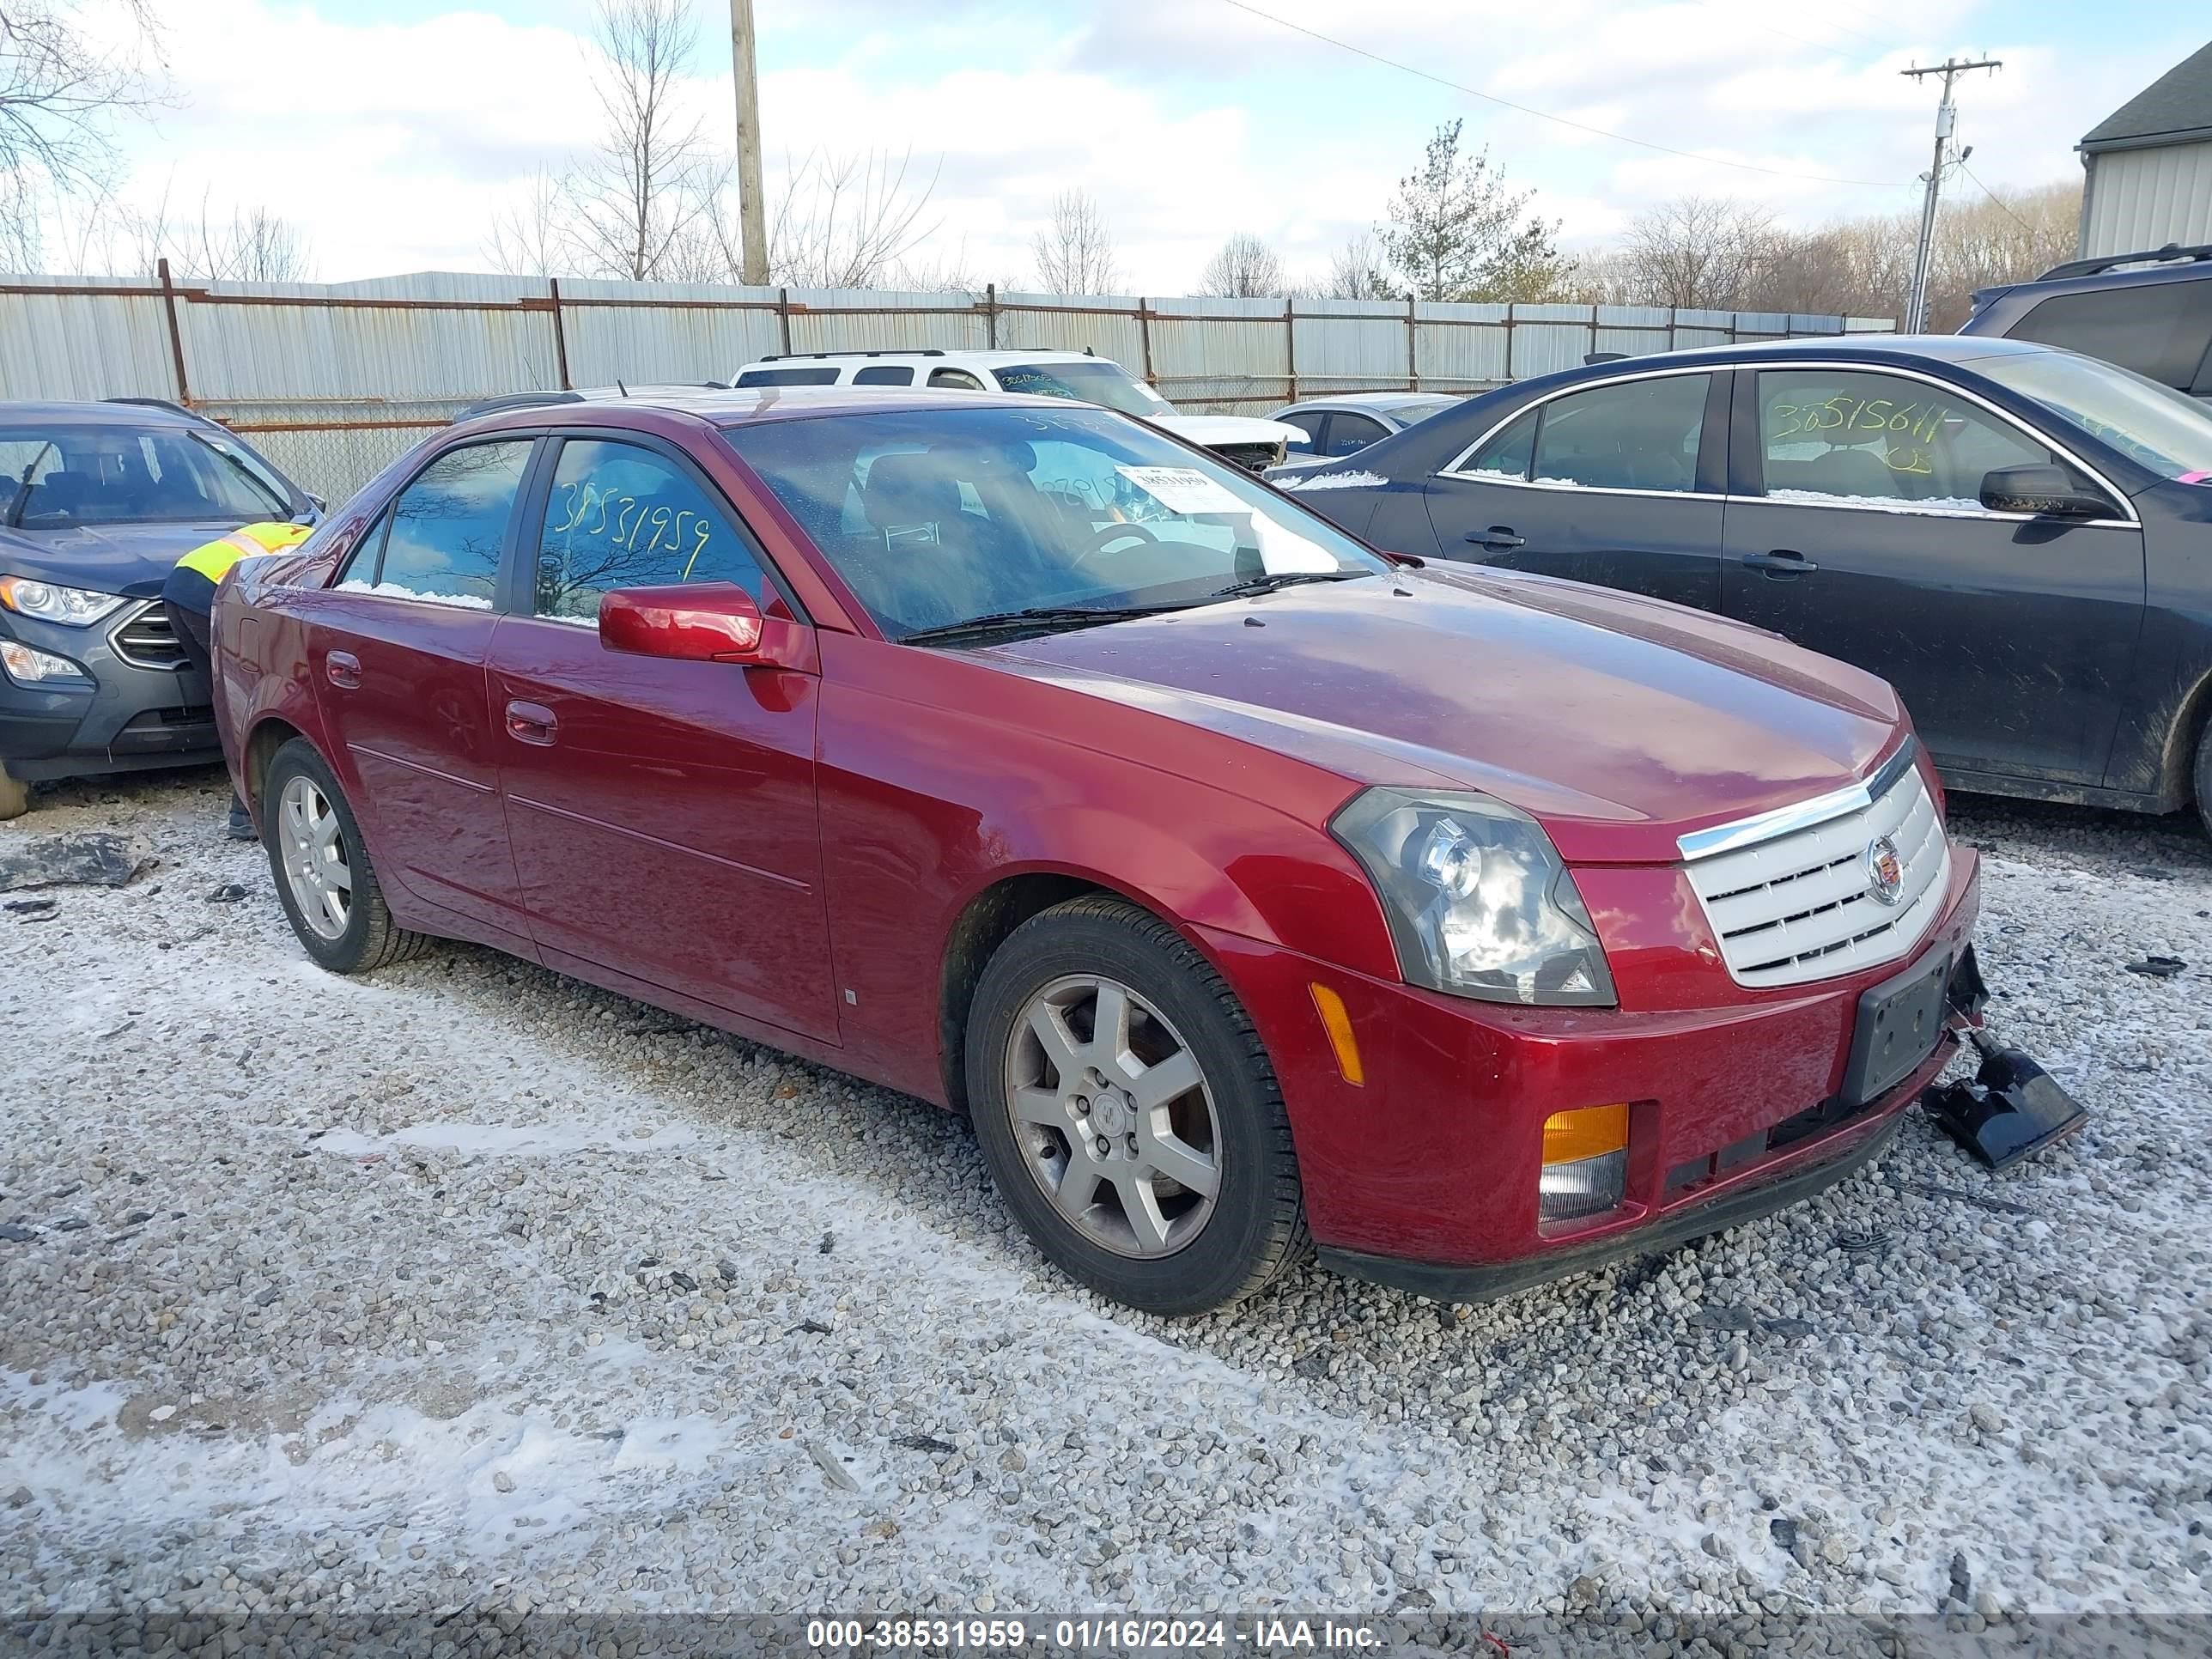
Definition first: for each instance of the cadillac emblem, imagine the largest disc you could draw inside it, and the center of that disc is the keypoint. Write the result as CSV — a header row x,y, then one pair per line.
x,y
1885,871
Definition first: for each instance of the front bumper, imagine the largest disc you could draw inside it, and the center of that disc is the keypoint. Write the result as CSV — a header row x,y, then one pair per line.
x,y
1425,1177
136,713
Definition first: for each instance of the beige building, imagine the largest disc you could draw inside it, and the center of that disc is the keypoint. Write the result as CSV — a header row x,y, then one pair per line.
x,y
2148,166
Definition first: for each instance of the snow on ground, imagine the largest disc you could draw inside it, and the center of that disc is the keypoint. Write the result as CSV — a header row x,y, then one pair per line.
x,y
466,1281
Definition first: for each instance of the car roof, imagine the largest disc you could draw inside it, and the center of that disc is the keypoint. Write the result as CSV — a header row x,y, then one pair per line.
x,y
728,408
994,357
1385,401
107,413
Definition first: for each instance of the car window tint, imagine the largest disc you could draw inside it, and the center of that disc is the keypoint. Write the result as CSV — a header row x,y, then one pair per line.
x,y
955,379
1348,432
443,536
1839,434
818,374
1306,421
1640,434
885,375
2158,328
1507,452
620,515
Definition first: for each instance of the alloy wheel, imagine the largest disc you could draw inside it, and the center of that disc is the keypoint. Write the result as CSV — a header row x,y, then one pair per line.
x,y
1114,1116
313,842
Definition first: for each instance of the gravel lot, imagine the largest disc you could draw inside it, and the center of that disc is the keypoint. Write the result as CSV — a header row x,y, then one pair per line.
x,y
465,1284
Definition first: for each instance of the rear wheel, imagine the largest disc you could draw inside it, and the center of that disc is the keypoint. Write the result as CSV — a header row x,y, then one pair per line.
x,y
2205,777
14,796
324,877
1129,1114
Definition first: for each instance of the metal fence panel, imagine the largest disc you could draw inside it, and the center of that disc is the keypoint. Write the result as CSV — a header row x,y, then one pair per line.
x,y
335,380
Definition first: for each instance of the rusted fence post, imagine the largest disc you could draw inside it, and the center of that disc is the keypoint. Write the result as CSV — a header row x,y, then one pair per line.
x,y
560,333
1413,345
1290,344
176,334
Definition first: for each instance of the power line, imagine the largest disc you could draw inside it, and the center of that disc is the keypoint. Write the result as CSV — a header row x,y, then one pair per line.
x,y
1545,115
1994,197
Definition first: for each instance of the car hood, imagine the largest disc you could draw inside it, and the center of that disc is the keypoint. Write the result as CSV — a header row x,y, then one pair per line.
x,y
1619,723
119,558
1225,428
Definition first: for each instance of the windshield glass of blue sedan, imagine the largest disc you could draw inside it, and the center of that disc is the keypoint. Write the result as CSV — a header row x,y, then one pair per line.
x,y
62,476
933,517
2153,425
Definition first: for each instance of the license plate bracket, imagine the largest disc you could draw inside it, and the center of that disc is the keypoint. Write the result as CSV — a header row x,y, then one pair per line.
x,y
1899,1023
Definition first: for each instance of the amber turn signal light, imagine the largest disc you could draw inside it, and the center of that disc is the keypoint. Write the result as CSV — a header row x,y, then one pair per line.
x,y
1338,1025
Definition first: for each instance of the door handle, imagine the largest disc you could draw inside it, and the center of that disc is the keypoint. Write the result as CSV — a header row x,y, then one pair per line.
x,y
1498,537
531,722
1783,564
342,670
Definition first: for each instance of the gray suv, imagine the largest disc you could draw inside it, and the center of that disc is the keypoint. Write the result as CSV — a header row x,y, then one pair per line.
x,y
97,502
2150,311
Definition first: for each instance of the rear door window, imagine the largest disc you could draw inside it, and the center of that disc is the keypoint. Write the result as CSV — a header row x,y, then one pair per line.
x,y
2158,328
954,379
621,515
441,541
885,375
1306,421
1349,433
1639,435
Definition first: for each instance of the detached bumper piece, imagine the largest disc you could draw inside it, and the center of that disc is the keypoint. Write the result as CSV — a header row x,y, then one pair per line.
x,y
2011,1110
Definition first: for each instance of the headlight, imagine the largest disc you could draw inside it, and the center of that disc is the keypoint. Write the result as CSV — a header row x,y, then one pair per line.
x,y
28,667
1479,904
51,602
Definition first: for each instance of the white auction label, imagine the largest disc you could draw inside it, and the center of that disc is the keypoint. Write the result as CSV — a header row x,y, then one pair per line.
x,y
1184,489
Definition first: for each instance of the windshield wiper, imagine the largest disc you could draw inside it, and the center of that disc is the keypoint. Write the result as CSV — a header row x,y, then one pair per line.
x,y
1037,617
1268,584
14,517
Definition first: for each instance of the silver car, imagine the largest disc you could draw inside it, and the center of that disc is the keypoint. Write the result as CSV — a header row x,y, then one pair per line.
x,y
1339,426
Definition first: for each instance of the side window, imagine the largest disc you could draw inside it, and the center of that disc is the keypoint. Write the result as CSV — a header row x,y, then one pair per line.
x,y
1828,435
623,516
1639,435
1306,421
2158,328
442,537
885,375
1349,433
821,374
1507,452
954,379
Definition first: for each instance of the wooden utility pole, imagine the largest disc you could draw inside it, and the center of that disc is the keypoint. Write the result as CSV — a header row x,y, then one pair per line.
x,y
1947,115
752,220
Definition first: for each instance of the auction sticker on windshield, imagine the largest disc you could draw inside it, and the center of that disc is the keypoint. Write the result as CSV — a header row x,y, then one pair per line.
x,y
1184,489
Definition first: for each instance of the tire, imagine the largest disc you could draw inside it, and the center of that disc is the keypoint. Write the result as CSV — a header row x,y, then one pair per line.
x,y
305,819
2204,778
1180,1251
14,796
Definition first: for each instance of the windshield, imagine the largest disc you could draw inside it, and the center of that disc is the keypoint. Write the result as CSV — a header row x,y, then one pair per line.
x,y
937,516
1092,381
2153,425
61,477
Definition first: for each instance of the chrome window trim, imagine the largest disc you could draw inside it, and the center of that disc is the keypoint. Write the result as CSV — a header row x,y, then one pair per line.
x,y
1671,370
1802,815
2132,520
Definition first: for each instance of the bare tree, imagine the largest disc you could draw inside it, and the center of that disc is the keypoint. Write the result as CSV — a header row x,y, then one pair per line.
x,y
1075,253
1695,252
530,238
1356,272
640,195
58,89
253,244
846,221
1455,232
1246,268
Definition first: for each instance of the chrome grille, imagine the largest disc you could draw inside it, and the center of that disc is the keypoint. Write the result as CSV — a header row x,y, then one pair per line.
x,y
144,639
1789,894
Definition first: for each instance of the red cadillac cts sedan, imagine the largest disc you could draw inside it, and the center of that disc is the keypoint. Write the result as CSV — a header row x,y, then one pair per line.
x,y
1249,888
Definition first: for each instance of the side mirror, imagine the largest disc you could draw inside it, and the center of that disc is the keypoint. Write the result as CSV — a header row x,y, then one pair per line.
x,y
2044,490
700,622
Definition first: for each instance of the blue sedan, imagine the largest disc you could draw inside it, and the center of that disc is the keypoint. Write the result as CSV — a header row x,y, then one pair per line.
x,y
2018,538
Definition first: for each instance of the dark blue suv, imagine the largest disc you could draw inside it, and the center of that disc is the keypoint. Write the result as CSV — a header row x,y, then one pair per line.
x,y
97,502
2151,312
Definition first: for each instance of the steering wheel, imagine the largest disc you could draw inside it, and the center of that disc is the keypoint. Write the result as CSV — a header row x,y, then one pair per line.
x,y
1105,536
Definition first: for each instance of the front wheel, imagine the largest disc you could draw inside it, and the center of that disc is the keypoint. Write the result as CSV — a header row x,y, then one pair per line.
x,y
324,877
1128,1112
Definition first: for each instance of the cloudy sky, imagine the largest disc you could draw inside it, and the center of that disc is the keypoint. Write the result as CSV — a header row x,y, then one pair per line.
x,y
392,130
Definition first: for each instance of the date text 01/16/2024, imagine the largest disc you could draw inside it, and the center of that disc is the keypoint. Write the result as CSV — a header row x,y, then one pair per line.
x,y
1080,1635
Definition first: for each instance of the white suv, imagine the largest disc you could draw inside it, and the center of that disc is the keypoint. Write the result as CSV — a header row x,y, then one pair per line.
x,y
1075,374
